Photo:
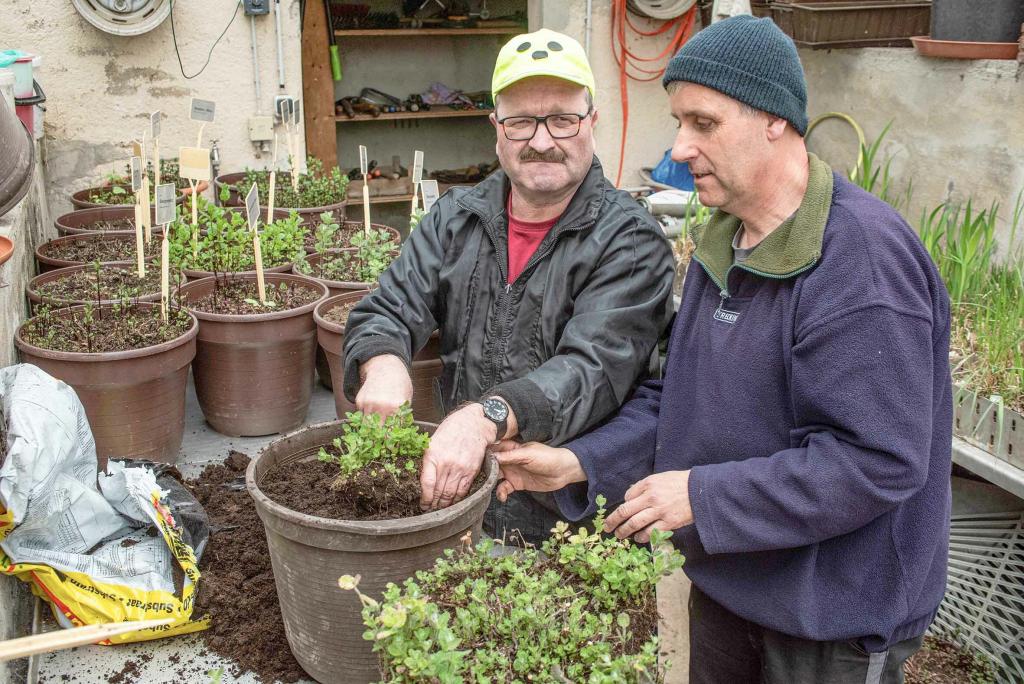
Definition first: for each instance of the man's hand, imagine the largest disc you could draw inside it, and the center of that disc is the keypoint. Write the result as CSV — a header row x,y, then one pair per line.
x,y
454,457
535,467
657,502
386,385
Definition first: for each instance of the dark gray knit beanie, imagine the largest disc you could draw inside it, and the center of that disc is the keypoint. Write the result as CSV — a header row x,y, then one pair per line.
x,y
750,60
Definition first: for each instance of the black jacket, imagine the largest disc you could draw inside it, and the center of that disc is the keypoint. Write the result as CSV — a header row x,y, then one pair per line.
x,y
564,344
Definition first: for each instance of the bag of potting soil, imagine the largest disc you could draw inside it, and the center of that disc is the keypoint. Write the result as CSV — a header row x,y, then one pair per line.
x,y
97,552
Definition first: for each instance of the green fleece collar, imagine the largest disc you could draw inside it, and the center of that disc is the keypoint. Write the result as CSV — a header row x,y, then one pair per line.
x,y
791,248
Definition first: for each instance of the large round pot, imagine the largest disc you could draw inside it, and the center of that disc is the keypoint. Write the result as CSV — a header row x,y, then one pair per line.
x,y
80,199
308,554
426,365
81,221
254,372
134,400
350,225
310,215
191,274
35,298
48,263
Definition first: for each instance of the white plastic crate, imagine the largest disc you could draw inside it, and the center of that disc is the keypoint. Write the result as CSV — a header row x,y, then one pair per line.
x,y
984,602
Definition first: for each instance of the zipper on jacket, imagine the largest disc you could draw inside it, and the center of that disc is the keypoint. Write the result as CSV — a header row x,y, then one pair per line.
x,y
724,287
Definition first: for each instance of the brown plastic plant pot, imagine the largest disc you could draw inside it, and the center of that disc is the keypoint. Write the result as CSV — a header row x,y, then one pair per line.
x,y
308,554
134,400
80,199
47,263
426,365
193,275
35,298
254,372
310,215
81,221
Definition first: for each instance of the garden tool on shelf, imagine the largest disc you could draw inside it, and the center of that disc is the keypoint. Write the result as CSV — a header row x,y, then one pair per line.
x,y
333,42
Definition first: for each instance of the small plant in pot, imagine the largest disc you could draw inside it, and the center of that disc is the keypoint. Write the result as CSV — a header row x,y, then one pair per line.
x,y
119,357
222,242
350,269
354,510
85,248
583,609
253,369
116,188
318,190
98,283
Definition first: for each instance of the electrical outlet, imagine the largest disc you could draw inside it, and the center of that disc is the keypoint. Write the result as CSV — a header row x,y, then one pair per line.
x,y
256,6
286,109
261,128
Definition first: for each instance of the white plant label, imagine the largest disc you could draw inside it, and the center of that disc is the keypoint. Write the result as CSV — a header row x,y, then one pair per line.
x,y
194,163
136,173
136,149
417,167
252,206
430,193
165,196
154,124
362,161
203,110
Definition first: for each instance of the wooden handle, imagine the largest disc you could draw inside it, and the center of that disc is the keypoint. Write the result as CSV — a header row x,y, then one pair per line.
x,y
69,638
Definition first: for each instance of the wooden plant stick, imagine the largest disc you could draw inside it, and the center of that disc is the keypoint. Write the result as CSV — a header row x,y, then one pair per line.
x,y
364,170
195,219
74,636
147,223
139,239
260,285
273,184
165,291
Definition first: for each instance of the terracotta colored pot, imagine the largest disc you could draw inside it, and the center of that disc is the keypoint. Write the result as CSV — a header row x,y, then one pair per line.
x,y
395,235
6,249
323,624
426,365
80,199
35,298
47,263
82,220
134,400
254,372
310,215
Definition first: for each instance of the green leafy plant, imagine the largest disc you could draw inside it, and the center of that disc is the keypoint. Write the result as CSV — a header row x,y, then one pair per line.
x,y
875,176
317,187
377,445
582,609
222,241
371,254
415,217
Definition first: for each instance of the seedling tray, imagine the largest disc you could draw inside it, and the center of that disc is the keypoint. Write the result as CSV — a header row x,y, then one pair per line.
x,y
843,23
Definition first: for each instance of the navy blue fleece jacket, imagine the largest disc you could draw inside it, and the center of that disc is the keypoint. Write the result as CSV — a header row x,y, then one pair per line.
x,y
808,392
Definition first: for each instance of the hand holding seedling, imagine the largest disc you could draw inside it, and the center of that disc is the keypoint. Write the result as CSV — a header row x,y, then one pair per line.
x,y
455,456
657,502
386,385
535,467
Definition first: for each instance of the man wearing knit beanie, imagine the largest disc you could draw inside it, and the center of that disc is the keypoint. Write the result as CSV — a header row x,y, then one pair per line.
x,y
799,444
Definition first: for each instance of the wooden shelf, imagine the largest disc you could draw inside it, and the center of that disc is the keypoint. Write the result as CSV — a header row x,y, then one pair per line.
x,y
485,31
436,112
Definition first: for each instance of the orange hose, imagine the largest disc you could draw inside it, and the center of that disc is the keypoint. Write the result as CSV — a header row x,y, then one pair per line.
x,y
628,61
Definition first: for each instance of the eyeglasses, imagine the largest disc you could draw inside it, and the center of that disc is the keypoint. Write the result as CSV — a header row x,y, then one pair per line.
x,y
558,125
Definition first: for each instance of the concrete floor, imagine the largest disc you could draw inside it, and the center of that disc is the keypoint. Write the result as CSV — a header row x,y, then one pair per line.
x,y
185,660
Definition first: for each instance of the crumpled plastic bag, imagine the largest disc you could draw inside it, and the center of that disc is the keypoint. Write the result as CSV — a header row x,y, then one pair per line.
x,y
98,549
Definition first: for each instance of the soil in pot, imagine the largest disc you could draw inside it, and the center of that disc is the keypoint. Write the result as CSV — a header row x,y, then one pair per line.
x,y
98,247
339,314
239,297
237,587
93,330
89,284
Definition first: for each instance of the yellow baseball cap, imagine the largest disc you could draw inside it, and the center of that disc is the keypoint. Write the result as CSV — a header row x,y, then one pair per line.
x,y
542,53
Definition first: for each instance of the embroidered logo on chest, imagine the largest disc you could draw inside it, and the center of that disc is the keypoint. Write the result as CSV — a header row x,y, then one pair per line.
x,y
726,316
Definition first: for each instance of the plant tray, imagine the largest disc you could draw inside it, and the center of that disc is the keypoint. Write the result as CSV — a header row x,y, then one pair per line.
x,y
961,49
840,23
979,421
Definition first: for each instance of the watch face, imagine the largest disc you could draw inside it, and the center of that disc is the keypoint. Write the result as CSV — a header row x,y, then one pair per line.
x,y
495,409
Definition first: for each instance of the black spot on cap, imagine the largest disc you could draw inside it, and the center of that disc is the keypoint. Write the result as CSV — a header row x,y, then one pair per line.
x,y
523,47
540,54
555,47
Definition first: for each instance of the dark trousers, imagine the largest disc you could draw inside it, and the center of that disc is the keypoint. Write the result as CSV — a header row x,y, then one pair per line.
x,y
726,649
523,518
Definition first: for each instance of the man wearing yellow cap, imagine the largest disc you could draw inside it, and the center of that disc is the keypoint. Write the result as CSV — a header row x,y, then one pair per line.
x,y
549,288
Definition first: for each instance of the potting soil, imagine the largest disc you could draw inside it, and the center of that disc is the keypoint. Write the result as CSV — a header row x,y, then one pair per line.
x,y
309,487
108,225
237,587
238,297
108,330
339,314
336,267
114,283
941,661
99,249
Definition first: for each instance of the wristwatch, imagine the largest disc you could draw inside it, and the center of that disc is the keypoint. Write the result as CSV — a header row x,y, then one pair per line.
x,y
496,410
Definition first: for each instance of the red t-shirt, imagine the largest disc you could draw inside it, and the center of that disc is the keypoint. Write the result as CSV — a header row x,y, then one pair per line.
x,y
523,239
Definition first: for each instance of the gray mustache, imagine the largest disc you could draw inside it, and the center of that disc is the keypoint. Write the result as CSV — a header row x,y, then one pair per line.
x,y
530,154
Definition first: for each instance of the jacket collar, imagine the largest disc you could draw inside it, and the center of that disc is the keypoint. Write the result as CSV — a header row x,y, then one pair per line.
x,y
487,200
791,248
